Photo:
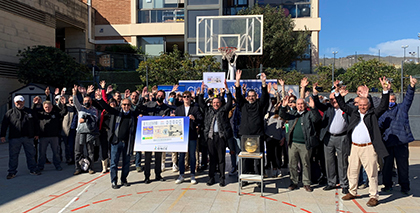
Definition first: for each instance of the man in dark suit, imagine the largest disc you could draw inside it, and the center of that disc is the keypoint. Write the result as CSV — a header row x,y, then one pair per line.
x,y
367,145
193,112
121,135
336,145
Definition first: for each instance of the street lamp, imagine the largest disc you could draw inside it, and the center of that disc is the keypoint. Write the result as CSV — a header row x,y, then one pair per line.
x,y
404,47
335,52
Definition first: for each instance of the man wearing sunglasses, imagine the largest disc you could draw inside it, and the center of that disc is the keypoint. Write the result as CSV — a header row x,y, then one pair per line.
x,y
193,112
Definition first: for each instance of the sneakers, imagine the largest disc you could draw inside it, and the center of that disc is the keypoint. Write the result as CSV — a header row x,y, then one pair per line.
x,y
348,197
372,202
10,176
193,180
35,173
175,168
126,184
139,169
77,172
276,173
162,167
233,171
91,171
115,186
179,180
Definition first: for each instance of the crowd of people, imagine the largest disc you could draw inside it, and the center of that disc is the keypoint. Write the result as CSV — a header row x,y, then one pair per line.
x,y
319,140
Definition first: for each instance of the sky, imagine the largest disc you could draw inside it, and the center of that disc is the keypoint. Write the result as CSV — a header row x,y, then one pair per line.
x,y
367,26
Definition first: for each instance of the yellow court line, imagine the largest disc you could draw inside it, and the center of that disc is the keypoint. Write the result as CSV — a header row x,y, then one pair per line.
x,y
179,198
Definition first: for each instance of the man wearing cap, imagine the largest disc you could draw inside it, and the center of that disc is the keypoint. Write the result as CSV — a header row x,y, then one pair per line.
x,y
21,122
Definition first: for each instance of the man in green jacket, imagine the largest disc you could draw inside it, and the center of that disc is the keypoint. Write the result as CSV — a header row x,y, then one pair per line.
x,y
301,138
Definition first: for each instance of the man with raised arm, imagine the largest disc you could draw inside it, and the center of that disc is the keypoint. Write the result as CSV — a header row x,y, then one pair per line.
x,y
252,120
301,139
396,133
217,131
336,146
366,140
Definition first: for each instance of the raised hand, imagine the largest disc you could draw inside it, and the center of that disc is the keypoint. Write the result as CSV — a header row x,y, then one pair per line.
x,y
413,81
238,78
175,88
244,88
281,82
314,91
63,100
269,87
102,84
57,91
74,90
274,86
364,91
202,87
109,89
127,93
304,82
47,91
90,89
311,103
343,91
63,91
290,92
144,91
226,86
386,85
263,79
37,100
198,90
337,84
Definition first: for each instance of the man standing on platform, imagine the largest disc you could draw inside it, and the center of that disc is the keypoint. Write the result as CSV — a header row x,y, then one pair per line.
x,y
366,138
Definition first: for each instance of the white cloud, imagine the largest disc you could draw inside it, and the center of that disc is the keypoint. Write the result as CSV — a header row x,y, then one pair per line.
x,y
393,48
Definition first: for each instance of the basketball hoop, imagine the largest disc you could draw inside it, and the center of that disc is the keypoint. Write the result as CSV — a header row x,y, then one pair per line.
x,y
227,52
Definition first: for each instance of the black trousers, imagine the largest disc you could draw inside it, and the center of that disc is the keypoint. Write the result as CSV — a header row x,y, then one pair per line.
x,y
147,162
400,153
273,146
217,152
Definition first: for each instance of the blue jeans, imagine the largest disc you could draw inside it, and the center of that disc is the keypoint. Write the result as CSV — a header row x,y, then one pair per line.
x,y
233,144
116,150
43,143
192,146
138,159
15,145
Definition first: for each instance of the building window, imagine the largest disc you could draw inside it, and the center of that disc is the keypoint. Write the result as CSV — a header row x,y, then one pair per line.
x,y
294,8
202,2
192,19
156,4
160,16
152,45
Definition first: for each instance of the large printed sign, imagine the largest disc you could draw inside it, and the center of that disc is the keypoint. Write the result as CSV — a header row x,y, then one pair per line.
x,y
162,134
250,84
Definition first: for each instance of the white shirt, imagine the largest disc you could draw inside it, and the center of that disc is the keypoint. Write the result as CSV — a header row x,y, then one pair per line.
x,y
187,108
338,125
360,134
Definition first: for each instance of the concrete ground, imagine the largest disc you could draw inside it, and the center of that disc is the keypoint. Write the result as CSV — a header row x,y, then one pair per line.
x,y
60,191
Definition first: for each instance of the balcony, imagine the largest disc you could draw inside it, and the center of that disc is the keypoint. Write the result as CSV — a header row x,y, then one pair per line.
x,y
160,16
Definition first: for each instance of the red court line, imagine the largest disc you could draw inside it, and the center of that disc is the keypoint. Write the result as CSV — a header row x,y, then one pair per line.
x,y
124,196
305,210
244,193
163,190
53,195
144,192
101,201
188,189
269,198
76,199
288,204
80,207
358,205
210,189
63,194
228,191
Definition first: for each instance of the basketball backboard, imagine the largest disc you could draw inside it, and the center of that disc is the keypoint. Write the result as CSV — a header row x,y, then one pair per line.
x,y
245,33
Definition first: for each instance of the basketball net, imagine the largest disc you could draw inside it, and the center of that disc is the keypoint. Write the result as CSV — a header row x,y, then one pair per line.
x,y
227,54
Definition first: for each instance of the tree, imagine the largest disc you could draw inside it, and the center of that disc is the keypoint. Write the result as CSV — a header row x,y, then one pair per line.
x,y
50,66
169,68
281,44
411,69
368,73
